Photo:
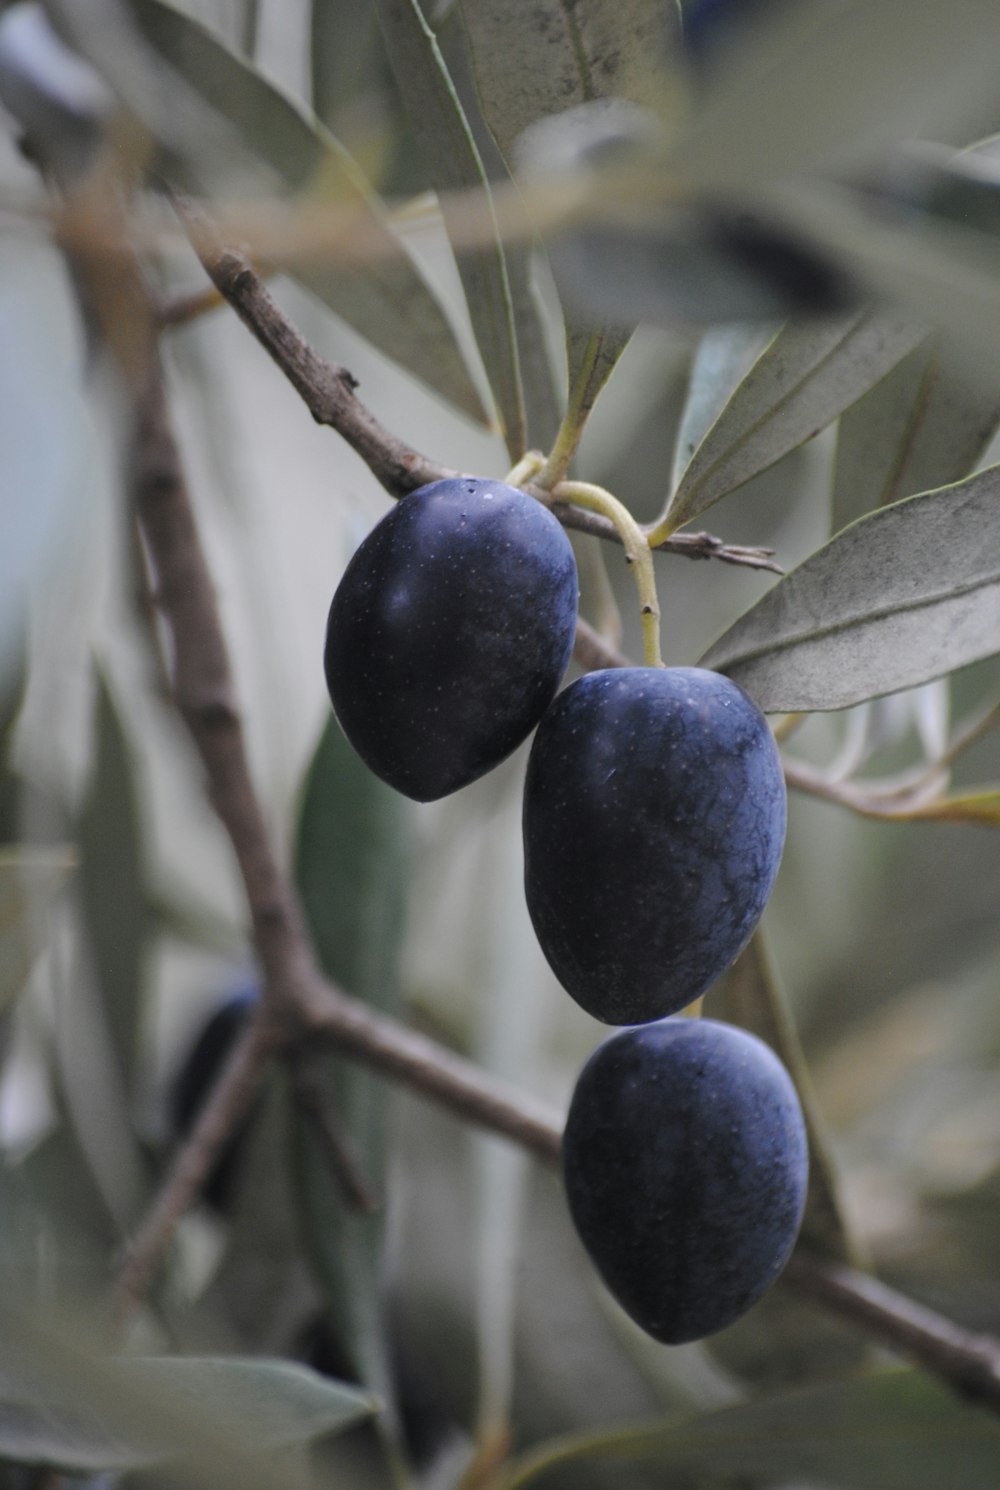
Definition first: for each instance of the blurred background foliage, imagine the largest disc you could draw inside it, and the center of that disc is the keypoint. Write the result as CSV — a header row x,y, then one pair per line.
x,y
427,1263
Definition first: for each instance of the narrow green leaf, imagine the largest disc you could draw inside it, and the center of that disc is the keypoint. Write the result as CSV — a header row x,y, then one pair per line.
x,y
112,882
389,302
351,864
31,881
877,1432
804,378
542,397
530,64
63,1406
725,355
907,594
453,162
924,426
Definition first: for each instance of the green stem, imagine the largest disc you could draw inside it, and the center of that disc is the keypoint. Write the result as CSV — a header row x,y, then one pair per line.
x,y
637,553
659,531
527,468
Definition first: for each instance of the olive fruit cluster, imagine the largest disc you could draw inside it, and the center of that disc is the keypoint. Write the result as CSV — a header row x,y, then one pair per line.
x,y
654,821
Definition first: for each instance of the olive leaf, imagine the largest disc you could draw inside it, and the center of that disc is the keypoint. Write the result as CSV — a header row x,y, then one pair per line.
x,y
829,83
875,1432
906,594
923,426
453,162
388,302
351,863
807,375
537,64
64,1406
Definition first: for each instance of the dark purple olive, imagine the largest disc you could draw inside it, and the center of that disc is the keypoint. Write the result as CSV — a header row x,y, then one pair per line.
x,y
685,1164
450,632
654,819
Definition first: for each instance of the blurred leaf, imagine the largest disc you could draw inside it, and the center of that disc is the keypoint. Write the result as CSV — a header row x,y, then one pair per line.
x,y
56,1232
43,426
388,303
807,375
904,595
112,882
31,881
878,1432
929,269
63,1406
453,162
832,83
343,52
725,355
924,426
351,866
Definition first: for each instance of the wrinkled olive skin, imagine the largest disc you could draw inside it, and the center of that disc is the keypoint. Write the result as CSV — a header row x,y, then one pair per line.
x,y
685,1165
654,820
450,632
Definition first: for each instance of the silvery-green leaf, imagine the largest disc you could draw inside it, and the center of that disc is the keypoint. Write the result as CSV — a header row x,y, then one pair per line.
x,y
388,301
542,397
536,65
804,378
899,597
62,1405
453,162
925,425
724,356
540,61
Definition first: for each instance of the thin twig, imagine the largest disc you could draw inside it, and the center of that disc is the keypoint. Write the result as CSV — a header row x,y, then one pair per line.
x,y
968,1361
229,1099
329,392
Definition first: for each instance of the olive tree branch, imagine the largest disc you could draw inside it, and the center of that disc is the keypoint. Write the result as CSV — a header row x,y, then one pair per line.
x,y
329,392
296,996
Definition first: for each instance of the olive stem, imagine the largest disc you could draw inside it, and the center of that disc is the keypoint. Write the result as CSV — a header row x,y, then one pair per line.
x,y
637,553
557,462
661,530
527,468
